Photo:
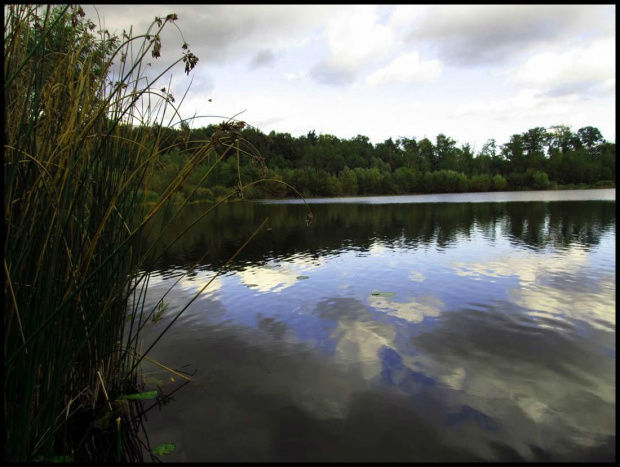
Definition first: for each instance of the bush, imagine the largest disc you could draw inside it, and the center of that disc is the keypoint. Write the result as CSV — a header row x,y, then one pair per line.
x,y
220,192
605,184
203,194
516,181
462,184
428,183
540,181
499,183
480,183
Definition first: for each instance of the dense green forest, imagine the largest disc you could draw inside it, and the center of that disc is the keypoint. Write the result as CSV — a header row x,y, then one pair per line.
x,y
325,165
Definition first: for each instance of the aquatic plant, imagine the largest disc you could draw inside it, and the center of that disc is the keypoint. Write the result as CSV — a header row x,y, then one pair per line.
x,y
83,128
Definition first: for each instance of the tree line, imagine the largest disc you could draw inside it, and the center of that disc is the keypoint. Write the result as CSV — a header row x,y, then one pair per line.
x,y
325,166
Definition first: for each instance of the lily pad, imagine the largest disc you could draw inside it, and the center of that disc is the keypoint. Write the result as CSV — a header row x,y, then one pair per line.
x,y
139,396
163,449
383,294
303,277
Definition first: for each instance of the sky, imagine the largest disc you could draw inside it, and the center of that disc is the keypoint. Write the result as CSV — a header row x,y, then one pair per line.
x,y
471,72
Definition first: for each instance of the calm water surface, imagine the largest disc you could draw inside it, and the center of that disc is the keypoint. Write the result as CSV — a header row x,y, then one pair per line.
x,y
438,328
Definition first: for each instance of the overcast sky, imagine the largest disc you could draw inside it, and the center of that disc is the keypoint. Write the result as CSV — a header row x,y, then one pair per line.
x,y
471,72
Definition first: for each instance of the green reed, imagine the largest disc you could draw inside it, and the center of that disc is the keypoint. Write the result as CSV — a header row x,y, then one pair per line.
x,y
83,131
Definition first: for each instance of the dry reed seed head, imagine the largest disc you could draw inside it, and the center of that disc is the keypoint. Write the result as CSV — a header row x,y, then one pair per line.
x,y
190,61
156,47
74,17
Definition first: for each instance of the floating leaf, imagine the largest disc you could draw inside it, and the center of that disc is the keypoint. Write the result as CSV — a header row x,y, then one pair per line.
x,y
65,458
139,396
163,449
383,294
303,277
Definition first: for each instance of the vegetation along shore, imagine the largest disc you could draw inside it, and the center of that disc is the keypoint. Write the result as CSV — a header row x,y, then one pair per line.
x,y
326,166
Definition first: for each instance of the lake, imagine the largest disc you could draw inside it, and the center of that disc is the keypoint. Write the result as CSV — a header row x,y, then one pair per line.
x,y
413,328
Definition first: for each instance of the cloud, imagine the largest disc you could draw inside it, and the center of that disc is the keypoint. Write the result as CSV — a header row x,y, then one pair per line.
x,y
328,72
529,372
262,58
275,277
353,42
301,74
480,34
572,71
414,310
219,34
201,279
527,104
359,337
266,279
417,276
555,300
407,67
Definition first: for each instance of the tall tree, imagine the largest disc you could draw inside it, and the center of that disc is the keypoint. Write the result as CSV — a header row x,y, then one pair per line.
x,y
562,139
465,159
427,156
514,152
590,136
534,142
446,153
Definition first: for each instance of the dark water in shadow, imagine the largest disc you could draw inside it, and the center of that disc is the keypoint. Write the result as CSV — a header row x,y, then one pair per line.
x,y
438,331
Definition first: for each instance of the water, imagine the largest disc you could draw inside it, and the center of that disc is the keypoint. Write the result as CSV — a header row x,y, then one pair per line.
x,y
437,328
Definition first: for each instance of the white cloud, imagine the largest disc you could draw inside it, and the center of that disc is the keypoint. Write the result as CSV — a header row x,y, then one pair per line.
x,y
403,16
407,67
353,41
490,34
527,105
358,39
589,66
417,276
414,310
204,281
361,341
550,301
275,277
301,74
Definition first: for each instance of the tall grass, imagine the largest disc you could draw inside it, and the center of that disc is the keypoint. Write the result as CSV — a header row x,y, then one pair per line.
x,y
82,135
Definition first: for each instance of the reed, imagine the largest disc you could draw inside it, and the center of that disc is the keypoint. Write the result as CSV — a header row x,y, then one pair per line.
x,y
83,129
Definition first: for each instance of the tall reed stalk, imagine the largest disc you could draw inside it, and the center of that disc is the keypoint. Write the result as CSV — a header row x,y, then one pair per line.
x,y
81,138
